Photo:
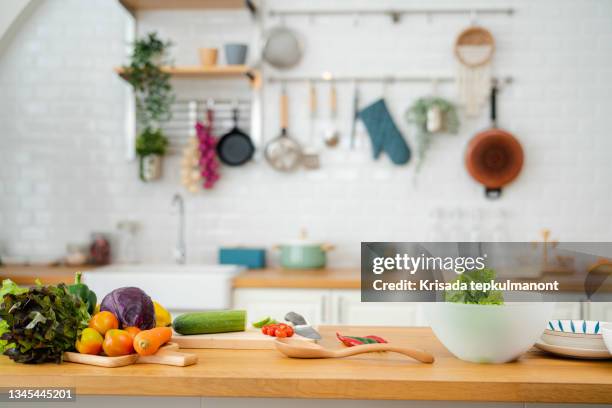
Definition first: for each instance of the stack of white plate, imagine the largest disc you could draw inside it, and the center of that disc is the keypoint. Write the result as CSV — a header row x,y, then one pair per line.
x,y
576,338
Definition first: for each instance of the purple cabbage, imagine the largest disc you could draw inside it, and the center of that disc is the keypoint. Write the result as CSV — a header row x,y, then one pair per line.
x,y
132,307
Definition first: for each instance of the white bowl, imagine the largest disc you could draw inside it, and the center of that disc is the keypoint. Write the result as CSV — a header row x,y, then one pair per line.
x,y
489,333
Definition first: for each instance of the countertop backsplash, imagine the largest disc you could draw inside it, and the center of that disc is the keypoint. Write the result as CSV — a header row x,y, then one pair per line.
x,y
62,108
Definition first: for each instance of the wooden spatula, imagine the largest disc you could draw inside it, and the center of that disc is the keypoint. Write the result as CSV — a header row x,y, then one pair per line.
x,y
302,349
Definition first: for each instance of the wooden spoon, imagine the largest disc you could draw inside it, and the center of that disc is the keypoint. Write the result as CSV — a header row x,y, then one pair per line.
x,y
302,349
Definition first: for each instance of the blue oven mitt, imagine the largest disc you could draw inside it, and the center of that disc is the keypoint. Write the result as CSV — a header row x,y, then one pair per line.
x,y
383,133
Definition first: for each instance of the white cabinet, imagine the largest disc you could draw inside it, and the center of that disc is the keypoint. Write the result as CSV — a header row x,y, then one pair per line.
x,y
313,304
347,308
344,306
324,306
567,310
601,311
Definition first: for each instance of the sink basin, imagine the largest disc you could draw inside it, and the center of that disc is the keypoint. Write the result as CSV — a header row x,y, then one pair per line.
x,y
179,288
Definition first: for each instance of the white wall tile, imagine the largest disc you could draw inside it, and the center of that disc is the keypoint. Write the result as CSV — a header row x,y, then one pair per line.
x,y
62,143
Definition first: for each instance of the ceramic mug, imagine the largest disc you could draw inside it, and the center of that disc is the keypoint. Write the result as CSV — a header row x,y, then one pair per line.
x,y
235,54
208,56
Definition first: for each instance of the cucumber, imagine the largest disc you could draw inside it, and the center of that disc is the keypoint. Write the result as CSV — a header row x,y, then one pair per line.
x,y
220,321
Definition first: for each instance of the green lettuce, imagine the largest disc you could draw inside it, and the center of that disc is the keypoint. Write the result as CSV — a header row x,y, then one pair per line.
x,y
43,322
8,287
478,297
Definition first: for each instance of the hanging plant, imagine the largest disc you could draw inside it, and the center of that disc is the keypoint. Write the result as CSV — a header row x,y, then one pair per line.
x,y
431,115
154,97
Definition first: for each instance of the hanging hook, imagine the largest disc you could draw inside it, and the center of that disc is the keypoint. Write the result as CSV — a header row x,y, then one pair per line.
x,y
210,104
395,15
429,17
386,82
434,86
473,17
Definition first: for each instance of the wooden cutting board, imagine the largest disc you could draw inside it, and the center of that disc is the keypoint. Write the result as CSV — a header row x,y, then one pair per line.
x,y
167,355
246,340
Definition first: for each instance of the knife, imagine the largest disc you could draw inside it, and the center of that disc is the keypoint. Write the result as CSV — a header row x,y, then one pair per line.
x,y
301,327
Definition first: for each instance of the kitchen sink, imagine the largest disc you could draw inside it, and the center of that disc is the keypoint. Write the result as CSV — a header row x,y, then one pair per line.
x,y
179,288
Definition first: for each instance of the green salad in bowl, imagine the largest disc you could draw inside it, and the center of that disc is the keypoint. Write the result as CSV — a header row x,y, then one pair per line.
x,y
481,326
476,297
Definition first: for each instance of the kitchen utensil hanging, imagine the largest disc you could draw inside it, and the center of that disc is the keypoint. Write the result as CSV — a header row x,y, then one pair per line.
x,y
332,135
284,153
283,48
310,157
235,147
494,157
474,49
355,115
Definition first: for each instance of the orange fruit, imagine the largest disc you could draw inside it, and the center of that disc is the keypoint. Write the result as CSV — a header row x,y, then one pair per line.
x,y
103,322
132,330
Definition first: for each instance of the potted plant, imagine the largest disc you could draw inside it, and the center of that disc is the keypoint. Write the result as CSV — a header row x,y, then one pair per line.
x,y
151,146
153,94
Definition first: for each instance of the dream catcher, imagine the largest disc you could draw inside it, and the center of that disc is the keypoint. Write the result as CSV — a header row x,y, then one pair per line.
x,y
474,49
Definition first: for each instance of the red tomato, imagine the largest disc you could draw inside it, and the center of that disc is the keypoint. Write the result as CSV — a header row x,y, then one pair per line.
x,y
118,343
103,322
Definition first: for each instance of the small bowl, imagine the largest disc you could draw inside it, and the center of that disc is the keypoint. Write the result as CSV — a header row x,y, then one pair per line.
x,y
583,334
489,333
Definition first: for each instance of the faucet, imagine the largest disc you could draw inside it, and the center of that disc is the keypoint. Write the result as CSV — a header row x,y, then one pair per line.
x,y
180,251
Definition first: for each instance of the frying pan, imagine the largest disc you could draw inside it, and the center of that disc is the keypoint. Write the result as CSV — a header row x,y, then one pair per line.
x,y
235,147
494,157
283,153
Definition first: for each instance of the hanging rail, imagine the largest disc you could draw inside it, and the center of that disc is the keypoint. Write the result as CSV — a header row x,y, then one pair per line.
x,y
395,14
326,77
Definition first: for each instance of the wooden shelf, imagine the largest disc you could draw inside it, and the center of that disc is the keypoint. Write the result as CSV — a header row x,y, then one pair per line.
x,y
197,71
136,5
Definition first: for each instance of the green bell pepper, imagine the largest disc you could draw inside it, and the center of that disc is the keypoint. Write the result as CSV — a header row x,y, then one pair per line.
x,y
83,292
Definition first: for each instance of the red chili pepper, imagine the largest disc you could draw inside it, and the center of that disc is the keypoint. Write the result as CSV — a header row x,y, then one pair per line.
x,y
377,338
348,341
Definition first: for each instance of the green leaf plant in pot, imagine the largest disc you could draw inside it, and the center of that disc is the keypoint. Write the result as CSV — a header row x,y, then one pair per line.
x,y
153,95
431,115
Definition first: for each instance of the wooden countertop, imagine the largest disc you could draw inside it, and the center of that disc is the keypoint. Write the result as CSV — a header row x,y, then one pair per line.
x,y
328,278
49,275
536,377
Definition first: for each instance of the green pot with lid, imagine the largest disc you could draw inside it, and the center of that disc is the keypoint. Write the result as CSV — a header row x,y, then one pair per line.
x,y
303,253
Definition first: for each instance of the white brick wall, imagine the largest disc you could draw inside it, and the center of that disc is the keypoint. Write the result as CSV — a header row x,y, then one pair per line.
x,y
62,143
